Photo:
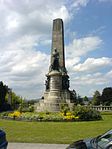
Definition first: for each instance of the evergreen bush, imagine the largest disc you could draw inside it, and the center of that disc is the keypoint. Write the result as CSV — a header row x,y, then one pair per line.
x,y
86,114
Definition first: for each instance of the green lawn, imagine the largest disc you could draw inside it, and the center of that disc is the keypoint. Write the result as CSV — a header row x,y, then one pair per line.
x,y
54,132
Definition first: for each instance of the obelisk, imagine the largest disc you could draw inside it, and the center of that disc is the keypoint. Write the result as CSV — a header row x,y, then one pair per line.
x,y
57,82
58,41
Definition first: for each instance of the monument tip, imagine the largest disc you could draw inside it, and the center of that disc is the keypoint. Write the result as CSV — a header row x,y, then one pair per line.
x,y
58,19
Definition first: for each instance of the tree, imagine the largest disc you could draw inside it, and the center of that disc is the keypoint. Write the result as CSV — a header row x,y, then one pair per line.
x,y
73,96
79,100
76,98
3,92
32,101
96,98
85,98
106,97
16,100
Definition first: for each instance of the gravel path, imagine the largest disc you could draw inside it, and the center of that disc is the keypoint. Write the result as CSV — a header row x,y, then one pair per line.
x,y
35,146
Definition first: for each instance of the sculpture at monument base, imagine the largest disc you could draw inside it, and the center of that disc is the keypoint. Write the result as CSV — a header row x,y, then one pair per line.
x,y
55,63
57,83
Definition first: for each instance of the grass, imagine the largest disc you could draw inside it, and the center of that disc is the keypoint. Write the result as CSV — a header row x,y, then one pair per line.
x,y
54,132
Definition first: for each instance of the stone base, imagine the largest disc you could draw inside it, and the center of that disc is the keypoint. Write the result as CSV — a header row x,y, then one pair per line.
x,y
49,107
52,101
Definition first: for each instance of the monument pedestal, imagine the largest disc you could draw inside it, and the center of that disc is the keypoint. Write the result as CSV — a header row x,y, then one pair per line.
x,y
54,96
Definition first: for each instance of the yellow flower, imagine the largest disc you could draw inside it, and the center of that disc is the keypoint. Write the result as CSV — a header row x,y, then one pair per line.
x,y
17,114
77,117
14,114
68,113
69,117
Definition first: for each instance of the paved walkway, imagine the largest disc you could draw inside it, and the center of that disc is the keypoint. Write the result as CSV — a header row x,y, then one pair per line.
x,y
35,146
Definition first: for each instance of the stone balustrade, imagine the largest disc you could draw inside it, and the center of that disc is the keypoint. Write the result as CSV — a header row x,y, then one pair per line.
x,y
102,108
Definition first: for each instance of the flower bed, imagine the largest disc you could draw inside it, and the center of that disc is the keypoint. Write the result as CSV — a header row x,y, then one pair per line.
x,y
30,116
79,113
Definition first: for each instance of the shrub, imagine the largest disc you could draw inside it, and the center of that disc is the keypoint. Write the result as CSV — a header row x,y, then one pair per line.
x,y
86,114
4,114
26,109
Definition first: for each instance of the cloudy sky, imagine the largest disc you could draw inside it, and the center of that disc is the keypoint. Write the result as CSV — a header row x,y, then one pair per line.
x,y
25,44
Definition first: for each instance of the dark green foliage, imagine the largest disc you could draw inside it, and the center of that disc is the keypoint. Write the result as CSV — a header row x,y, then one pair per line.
x,y
27,105
24,106
32,101
8,99
79,100
3,114
76,98
106,97
85,98
4,90
26,109
73,96
96,98
15,100
86,114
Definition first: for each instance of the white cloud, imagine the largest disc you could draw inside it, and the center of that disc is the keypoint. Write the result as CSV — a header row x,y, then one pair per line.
x,y
109,74
80,3
33,15
71,62
62,13
82,46
24,25
92,64
86,84
90,79
19,18
29,18
22,67
25,71
75,5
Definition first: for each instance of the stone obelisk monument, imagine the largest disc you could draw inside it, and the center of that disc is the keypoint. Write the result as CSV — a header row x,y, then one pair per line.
x,y
57,82
58,42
